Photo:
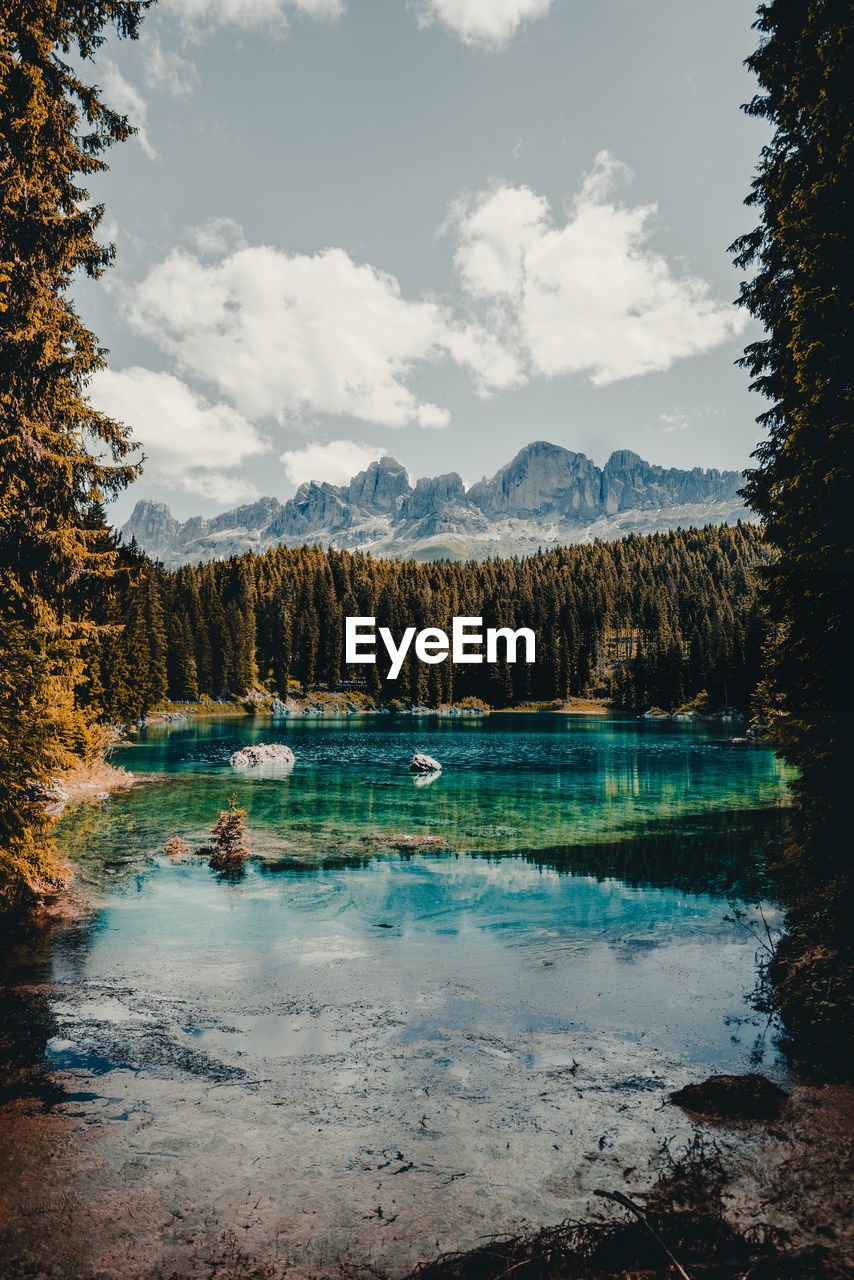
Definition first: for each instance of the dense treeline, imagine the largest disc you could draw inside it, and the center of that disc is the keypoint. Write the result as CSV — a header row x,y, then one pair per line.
x,y
654,619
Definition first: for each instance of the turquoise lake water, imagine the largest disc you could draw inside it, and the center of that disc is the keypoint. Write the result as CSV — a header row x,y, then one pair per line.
x,y
442,1008
546,839
511,783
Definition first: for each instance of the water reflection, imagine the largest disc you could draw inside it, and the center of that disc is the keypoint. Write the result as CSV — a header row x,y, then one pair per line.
x,y
484,1011
511,784
559,836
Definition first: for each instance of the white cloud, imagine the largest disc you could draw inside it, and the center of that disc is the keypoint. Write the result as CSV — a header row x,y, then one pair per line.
x,y
492,364
676,421
336,462
120,95
286,336
496,234
291,337
682,419
189,443
487,24
217,237
220,487
202,17
166,69
590,295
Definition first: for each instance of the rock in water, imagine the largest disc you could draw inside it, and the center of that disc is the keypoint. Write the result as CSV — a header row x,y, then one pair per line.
x,y
263,753
280,711
424,764
747,1097
425,779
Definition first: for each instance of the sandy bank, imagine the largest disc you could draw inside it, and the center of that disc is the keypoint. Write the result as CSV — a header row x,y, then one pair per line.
x,y
94,780
97,781
571,707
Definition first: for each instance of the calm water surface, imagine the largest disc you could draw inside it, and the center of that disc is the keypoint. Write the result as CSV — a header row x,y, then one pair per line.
x,y
509,782
604,850
495,1016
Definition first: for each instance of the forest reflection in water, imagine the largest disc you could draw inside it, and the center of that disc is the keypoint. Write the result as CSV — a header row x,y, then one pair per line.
x,y
499,1013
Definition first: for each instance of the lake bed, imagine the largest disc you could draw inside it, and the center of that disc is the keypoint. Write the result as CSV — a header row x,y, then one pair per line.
x,y
377,1052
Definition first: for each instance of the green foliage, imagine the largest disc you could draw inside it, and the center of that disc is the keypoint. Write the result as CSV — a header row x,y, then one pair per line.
x,y
31,752
802,290
644,620
59,458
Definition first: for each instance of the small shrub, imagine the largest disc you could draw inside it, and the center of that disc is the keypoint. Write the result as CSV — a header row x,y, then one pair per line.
x,y
230,846
175,847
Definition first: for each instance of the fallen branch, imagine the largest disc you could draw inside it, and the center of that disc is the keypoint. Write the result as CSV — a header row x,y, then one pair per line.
x,y
641,1215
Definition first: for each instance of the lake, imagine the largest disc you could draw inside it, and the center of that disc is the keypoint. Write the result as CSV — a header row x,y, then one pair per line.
x,y
425,1012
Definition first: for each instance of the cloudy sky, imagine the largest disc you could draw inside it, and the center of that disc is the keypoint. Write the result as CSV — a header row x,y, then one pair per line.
x,y
433,228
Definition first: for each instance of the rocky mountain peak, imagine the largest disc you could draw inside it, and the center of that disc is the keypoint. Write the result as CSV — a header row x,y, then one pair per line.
x,y
542,477
546,495
379,486
152,524
432,492
624,460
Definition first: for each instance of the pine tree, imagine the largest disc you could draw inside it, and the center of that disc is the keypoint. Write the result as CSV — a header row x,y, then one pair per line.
x,y
53,131
230,847
607,616
802,290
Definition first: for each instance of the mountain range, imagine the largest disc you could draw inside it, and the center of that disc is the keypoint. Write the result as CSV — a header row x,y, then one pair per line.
x,y
545,497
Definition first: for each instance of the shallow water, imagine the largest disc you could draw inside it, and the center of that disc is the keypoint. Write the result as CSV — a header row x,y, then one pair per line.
x,y
509,783
461,1038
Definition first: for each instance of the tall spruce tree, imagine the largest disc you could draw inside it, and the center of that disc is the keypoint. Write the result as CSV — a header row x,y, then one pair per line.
x,y
802,290
59,458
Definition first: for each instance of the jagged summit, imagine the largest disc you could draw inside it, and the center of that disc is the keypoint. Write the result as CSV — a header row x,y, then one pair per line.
x,y
544,496
379,487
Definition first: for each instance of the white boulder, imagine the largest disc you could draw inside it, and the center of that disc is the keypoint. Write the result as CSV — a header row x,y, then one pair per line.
x,y
263,753
424,764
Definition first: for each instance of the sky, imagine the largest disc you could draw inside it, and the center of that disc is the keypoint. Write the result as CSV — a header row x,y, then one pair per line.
x,y
437,229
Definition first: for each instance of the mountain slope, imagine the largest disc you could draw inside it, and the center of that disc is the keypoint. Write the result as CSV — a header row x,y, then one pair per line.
x,y
545,496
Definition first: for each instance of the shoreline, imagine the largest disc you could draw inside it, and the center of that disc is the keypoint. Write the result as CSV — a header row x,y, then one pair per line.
x,y
760,1186
331,704
88,781
341,706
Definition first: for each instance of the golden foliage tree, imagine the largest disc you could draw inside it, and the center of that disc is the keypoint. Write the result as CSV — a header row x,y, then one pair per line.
x,y
59,458
230,847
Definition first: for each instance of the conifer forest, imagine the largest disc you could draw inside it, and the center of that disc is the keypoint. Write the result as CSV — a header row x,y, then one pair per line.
x,y
312,965
655,620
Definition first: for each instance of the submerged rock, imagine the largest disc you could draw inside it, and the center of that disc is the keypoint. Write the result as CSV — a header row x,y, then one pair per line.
x,y
407,840
426,779
748,1097
263,753
424,764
